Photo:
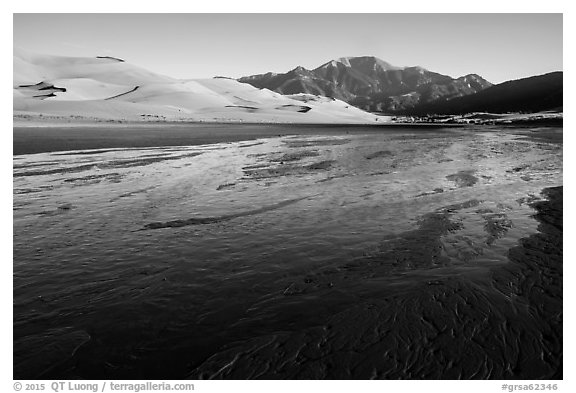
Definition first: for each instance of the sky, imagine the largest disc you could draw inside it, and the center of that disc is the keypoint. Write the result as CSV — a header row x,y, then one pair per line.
x,y
498,47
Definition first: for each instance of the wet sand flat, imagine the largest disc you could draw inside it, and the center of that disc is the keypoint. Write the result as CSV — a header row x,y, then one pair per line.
x,y
31,139
301,254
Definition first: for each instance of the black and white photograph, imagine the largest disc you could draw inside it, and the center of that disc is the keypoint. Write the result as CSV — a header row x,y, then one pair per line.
x,y
287,196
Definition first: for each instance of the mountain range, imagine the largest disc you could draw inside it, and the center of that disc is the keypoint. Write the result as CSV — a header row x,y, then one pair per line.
x,y
339,91
371,84
533,94
104,87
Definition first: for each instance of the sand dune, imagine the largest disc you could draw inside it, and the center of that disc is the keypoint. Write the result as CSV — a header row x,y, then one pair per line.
x,y
104,88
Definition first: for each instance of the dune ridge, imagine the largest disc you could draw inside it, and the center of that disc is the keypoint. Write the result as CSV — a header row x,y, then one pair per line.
x,y
109,88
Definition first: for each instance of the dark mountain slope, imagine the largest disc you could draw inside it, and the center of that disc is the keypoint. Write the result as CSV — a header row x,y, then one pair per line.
x,y
533,94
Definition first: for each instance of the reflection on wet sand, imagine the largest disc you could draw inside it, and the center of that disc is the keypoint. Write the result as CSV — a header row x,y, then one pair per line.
x,y
377,255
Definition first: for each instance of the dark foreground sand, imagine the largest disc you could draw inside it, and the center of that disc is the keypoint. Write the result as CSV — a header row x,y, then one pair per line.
x,y
404,254
447,329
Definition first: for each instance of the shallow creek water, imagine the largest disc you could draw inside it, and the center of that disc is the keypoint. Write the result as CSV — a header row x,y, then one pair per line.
x,y
176,262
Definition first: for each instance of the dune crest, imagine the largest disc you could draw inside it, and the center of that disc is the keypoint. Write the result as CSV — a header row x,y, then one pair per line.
x,y
109,88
